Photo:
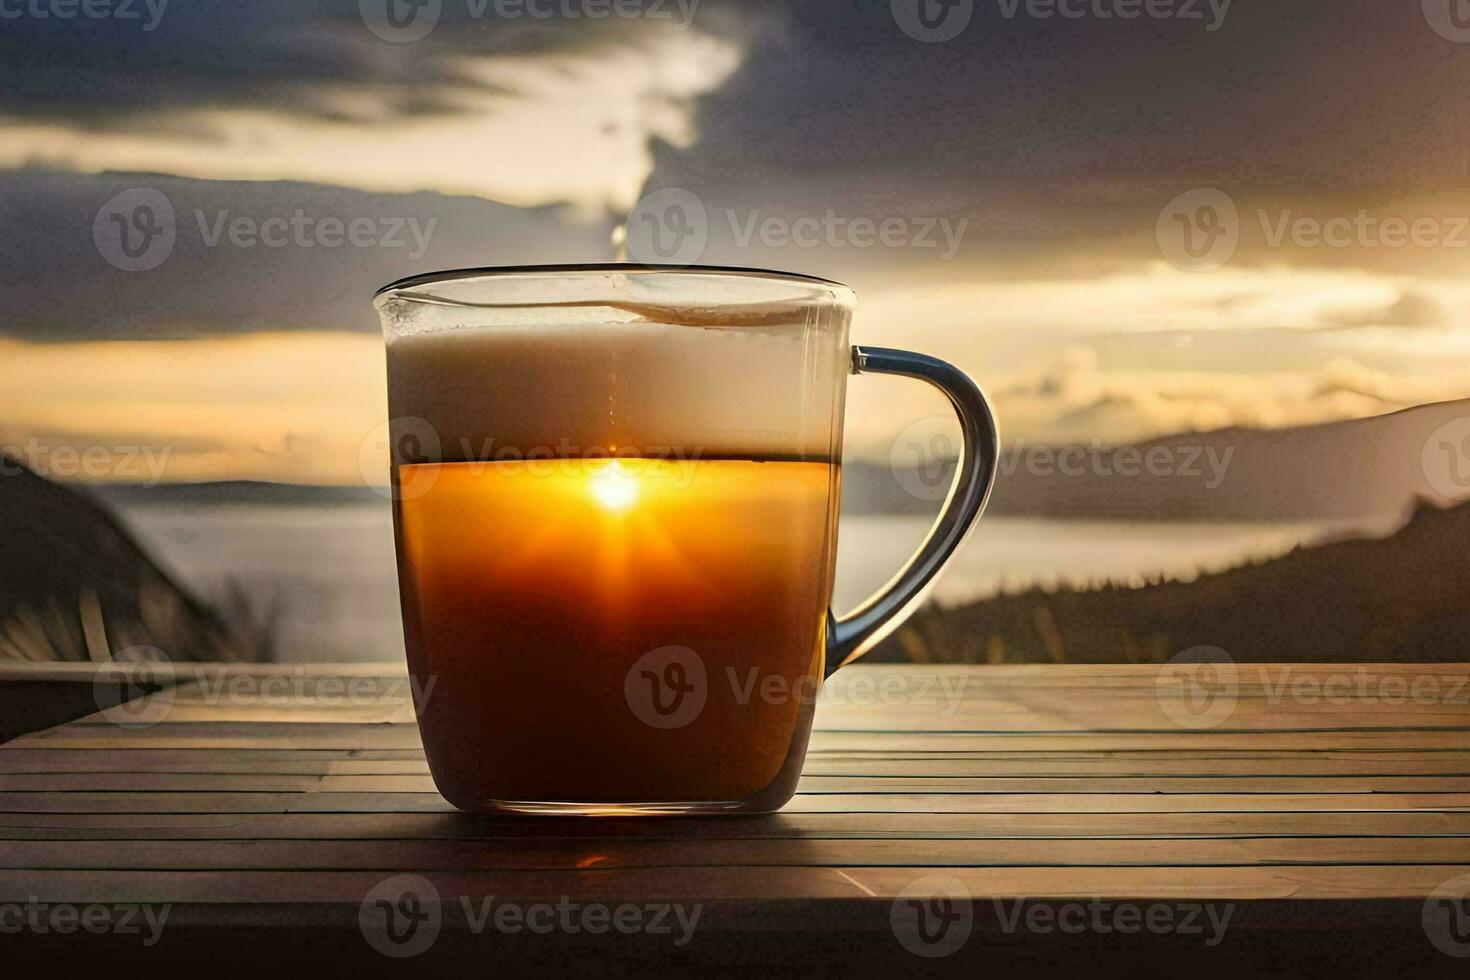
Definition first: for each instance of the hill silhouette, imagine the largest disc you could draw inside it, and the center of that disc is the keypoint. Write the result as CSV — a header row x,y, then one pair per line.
x,y
74,585
1398,598
1362,468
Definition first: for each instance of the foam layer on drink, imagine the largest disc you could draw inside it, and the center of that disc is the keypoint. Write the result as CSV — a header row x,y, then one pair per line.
x,y
585,382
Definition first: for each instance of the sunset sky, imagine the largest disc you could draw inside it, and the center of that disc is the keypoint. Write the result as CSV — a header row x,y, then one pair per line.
x,y
1051,149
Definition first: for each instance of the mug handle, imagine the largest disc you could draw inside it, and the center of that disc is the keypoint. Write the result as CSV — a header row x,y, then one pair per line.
x,y
857,633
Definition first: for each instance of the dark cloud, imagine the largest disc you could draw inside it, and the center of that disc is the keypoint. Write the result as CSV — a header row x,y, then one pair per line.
x,y
1060,141
1308,94
1316,91
58,284
104,73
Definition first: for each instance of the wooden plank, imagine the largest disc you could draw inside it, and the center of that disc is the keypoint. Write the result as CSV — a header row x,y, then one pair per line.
x,y
826,744
1362,740
885,743
368,712
232,735
1286,765
229,824
229,761
379,738
824,741
1106,766
1148,716
187,670
1192,883
397,732
879,769
1137,784
143,762
410,785
311,802
33,705
1030,676
603,855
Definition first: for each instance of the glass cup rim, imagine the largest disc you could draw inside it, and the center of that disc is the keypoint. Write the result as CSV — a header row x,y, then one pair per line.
x,y
604,268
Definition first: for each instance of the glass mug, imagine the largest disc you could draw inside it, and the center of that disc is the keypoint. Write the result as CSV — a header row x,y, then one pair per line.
x,y
615,509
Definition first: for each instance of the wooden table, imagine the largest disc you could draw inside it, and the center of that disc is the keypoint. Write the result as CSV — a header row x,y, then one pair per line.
x,y
1319,808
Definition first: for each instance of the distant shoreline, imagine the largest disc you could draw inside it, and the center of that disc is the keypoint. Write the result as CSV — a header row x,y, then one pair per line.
x,y
1368,470
242,493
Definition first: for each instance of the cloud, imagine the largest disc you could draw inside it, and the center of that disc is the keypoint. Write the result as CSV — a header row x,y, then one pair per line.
x,y
59,286
1411,309
1103,111
289,407
1075,401
960,303
499,110
115,75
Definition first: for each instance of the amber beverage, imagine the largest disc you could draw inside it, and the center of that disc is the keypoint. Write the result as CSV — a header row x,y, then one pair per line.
x,y
615,498
538,586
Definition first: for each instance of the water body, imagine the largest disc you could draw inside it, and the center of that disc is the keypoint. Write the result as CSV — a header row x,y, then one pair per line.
x,y
329,569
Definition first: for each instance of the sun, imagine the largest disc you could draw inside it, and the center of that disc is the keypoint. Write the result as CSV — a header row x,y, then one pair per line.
x,y
614,489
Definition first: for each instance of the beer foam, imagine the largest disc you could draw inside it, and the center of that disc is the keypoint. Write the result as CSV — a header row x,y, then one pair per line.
x,y
587,380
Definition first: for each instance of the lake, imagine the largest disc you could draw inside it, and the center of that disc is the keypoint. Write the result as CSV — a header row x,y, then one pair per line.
x,y
330,569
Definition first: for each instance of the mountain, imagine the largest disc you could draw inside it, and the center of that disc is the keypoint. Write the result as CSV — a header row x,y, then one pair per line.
x,y
74,585
1365,468
1370,468
1398,598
